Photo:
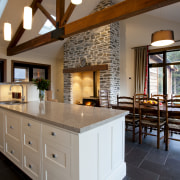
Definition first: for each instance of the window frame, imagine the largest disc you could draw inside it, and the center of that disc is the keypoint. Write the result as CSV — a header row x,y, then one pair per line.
x,y
31,65
163,65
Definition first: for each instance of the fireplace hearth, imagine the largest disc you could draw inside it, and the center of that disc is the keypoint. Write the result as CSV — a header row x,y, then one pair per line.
x,y
91,101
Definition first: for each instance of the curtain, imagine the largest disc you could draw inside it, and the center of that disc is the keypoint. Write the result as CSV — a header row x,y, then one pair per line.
x,y
141,55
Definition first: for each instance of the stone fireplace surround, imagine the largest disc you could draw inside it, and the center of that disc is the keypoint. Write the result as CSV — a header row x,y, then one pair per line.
x,y
98,47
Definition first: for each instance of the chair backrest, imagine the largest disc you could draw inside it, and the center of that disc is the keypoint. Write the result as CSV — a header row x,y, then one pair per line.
x,y
173,109
141,97
127,100
161,97
104,98
175,100
149,110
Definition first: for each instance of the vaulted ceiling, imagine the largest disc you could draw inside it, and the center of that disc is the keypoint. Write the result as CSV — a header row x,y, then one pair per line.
x,y
14,11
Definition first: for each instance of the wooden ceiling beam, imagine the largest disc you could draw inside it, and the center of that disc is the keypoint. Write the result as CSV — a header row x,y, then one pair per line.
x,y
31,44
68,14
120,11
46,13
19,32
60,8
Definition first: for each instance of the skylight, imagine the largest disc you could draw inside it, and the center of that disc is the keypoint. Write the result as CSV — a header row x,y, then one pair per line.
x,y
2,6
47,27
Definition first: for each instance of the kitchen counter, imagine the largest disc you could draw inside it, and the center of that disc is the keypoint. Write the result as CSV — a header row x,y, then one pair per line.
x,y
51,140
75,118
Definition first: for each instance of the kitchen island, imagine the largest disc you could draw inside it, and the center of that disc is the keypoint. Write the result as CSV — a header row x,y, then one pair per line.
x,y
50,140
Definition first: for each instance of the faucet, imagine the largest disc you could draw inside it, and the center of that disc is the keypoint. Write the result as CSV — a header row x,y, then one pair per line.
x,y
23,97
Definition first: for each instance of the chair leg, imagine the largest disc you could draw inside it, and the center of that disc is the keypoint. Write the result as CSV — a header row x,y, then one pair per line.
x,y
133,135
167,139
158,137
164,134
140,134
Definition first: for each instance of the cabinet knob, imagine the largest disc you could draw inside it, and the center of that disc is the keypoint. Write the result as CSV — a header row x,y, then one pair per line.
x,y
54,155
53,133
30,166
30,143
11,127
29,124
12,151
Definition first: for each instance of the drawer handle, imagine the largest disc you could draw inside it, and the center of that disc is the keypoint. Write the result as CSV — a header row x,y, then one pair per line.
x,y
53,134
54,155
30,166
30,143
12,151
29,124
11,127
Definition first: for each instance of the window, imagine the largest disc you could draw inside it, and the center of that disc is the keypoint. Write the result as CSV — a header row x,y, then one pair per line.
x,y
164,73
26,71
47,27
21,74
2,6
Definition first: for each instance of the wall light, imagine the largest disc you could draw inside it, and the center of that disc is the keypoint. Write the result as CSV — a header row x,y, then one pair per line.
x,y
27,23
7,31
162,38
76,2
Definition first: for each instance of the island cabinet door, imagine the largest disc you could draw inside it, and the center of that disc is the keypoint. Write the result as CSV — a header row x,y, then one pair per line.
x,y
13,143
101,150
1,131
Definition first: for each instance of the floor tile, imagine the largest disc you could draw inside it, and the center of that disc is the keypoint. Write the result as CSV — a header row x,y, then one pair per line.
x,y
135,157
158,156
140,174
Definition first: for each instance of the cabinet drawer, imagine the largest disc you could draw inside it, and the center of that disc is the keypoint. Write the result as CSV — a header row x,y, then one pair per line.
x,y
31,164
58,157
56,136
32,142
13,150
53,173
13,126
31,127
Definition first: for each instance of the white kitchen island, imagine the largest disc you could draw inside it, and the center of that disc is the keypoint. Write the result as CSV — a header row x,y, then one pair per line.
x,y
57,141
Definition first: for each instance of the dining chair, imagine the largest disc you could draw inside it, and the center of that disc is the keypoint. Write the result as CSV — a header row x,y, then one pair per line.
x,y
162,97
172,120
150,118
104,98
131,121
140,97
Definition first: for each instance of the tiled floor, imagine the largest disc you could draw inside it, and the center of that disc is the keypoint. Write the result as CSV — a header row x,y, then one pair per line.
x,y
144,162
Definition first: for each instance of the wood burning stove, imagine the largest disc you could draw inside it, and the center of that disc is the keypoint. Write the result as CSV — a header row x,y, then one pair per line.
x,y
91,101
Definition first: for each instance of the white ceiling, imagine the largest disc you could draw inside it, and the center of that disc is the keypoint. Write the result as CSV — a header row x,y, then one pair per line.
x,y
14,10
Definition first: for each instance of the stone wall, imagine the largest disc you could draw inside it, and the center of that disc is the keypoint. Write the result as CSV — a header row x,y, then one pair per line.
x,y
97,46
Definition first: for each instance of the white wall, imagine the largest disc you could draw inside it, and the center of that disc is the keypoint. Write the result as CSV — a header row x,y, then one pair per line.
x,y
29,57
136,32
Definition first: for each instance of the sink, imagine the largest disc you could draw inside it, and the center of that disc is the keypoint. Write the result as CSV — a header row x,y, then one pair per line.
x,y
13,102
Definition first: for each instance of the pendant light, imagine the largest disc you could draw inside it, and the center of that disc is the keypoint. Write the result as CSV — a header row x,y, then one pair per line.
x,y
76,2
27,23
7,31
162,38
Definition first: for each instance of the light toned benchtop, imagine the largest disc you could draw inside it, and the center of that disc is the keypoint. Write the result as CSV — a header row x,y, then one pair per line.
x,y
76,118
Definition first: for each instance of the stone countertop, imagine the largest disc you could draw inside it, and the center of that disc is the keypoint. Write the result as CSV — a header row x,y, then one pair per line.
x,y
75,118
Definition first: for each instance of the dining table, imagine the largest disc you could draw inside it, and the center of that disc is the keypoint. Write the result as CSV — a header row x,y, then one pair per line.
x,y
129,107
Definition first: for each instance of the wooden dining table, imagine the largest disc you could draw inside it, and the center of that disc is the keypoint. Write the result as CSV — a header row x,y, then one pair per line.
x,y
129,107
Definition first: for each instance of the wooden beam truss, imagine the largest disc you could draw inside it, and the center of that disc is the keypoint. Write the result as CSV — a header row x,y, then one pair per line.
x,y
120,11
